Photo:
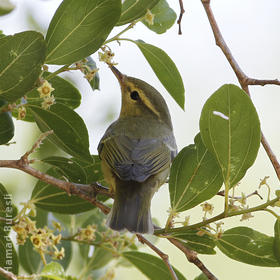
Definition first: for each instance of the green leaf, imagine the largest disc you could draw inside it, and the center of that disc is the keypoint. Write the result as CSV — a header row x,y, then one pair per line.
x,y
164,17
194,177
65,93
69,168
276,241
7,127
92,170
29,259
246,245
165,69
1,34
100,258
50,198
134,9
21,56
6,7
53,270
70,133
153,267
201,276
68,253
42,218
8,255
230,129
79,28
204,244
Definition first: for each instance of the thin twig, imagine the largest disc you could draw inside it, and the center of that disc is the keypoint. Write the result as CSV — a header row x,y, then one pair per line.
x,y
7,274
222,193
163,256
271,155
36,145
182,11
243,79
220,216
257,82
192,258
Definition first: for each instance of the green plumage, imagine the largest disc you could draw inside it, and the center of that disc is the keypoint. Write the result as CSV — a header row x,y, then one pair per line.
x,y
136,152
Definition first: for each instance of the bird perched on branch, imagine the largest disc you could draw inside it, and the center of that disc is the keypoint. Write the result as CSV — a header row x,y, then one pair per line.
x,y
136,153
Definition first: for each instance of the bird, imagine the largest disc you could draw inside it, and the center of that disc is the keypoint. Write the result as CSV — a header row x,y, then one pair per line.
x,y
136,152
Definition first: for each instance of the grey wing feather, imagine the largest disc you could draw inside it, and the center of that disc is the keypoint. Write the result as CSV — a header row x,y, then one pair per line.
x,y
136,159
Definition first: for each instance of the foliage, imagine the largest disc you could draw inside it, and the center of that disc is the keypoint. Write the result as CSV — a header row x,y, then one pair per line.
x,y
224,149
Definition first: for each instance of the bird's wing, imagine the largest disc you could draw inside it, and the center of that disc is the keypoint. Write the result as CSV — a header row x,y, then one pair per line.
x,y
135,159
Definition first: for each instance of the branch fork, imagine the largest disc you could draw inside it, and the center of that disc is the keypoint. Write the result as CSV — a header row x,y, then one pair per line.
x,y
243,79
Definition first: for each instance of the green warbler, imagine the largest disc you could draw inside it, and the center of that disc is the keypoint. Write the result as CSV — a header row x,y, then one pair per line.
x,y
136,153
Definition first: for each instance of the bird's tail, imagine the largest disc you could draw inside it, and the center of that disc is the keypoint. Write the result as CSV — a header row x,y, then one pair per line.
x,y
131,208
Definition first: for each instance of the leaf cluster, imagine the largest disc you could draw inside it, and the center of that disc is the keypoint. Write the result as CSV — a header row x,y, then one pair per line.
x,y
224,149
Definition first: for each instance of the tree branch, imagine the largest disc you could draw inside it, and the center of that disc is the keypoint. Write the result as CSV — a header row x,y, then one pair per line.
x,y
163,256
192,258
83,191
257,82
222,193
182,11
243,79
7,274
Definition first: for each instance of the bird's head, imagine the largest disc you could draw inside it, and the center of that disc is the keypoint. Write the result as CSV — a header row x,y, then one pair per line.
x,y
139,99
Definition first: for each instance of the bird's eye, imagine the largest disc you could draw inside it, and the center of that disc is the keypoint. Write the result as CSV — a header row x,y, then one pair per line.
x,y
134,95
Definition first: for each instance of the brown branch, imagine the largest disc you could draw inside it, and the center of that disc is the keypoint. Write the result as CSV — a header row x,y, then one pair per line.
x,y
182,11
7,274
271,155
257,82
163,256
83,191
36,145
86,192
192,258
243,79
222,193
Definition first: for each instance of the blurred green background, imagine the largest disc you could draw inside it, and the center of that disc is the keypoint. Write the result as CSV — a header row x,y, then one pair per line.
x,y
251,29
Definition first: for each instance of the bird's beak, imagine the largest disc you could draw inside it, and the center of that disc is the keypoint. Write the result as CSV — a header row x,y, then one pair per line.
x,y
118,74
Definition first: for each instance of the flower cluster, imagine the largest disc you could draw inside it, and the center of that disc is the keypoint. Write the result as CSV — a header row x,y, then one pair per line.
x,y
118,242
43,239
219,230
207,208
243,206
87,70
106,56
86,234
21,113
45,91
